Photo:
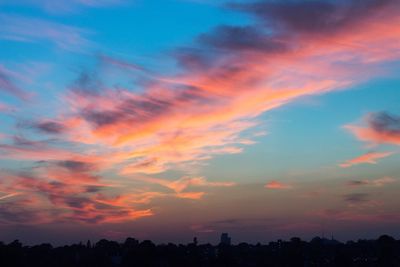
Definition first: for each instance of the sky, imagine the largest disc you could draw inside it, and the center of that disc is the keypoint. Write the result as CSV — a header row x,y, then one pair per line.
x,y
170,119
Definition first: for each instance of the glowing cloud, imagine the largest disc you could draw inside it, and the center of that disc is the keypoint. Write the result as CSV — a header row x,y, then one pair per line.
x,y
277,185
381,128
8,196
181,185
64,201
367,158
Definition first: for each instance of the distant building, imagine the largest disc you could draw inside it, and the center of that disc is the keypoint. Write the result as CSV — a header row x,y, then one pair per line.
x,y
225,239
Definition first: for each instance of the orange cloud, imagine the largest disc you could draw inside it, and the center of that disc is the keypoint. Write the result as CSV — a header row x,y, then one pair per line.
x,y
234,75
373,136
381,128
367,158
180,186
68,201
128,199
186,182
191,195
277,185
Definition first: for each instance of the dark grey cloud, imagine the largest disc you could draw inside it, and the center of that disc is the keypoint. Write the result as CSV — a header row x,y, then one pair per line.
x,y
99,118
317,16
47,126
87,84
355,198
135,109
242,38
278,28
76,166
50,127
22,142
13,213
384,122
194,59
93,188
357,183
77,202
19,210
131,110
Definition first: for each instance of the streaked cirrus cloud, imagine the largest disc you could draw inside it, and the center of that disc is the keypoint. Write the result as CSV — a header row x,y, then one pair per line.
x,y
37,30
9,86
64,7
367,158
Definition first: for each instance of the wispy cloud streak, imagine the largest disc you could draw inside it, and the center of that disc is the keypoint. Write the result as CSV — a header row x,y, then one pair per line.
x,y
26,29
367,158
7,85
63,7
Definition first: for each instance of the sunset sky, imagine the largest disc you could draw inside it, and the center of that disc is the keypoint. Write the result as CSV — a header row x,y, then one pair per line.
x,y
169,119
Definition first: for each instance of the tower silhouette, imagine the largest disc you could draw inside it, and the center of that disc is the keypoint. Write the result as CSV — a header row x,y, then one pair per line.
x,y
225,239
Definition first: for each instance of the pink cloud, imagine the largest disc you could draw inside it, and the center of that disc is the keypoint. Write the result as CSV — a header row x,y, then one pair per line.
x,y
67,201
380,128
367,158
277,185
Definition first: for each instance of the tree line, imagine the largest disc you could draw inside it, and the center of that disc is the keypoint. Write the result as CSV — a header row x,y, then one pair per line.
x,y
382,252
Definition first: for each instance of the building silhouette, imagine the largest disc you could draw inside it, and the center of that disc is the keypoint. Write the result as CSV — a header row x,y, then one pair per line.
x,y
321,252
225,239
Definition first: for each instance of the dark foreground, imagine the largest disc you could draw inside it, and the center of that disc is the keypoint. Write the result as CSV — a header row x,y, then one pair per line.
x,y
382,252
